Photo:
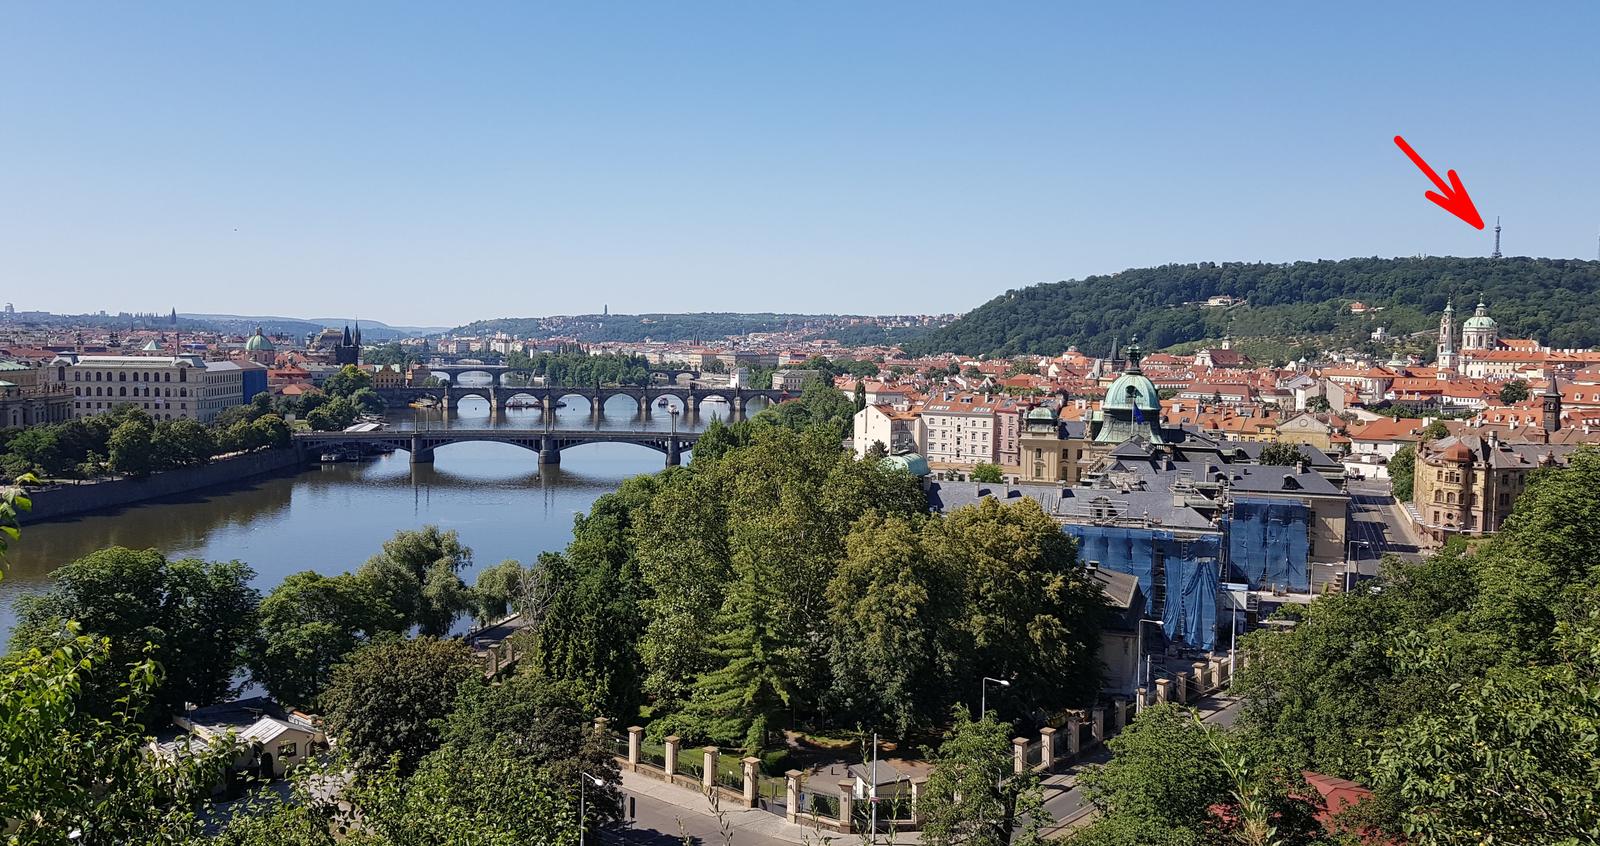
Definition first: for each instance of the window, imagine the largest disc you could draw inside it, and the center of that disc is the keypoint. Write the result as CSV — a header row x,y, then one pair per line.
x,y
286,750
122,377
1438,496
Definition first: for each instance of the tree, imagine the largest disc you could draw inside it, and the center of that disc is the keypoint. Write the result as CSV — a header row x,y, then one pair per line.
x,y
196,617
367,401
1402,468
1281,454
181,443
68,775
1318,404
336,414
387,700
1434,431
309,624
758,649
131,452
418,573
972,798
1159,785
861,394
1513,392
988,473
13,501
1513,754
1030,612
890,615
498,589
347,382
539,723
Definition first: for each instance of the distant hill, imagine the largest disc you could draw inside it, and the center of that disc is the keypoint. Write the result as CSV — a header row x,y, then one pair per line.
x,y
1554,300
703,326
371,330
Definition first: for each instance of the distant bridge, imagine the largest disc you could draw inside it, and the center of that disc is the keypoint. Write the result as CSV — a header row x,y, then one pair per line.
x,y
549,443
545,397
497,373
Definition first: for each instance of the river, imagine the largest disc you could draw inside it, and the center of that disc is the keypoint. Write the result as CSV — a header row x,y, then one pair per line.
x,y
332,518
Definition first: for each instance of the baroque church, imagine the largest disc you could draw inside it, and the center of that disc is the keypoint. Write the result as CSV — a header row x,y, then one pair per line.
x,y
1478,333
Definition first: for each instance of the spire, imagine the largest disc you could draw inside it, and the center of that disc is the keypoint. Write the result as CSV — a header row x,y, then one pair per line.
x,y
345,341
1134,354
1496,253
1552,405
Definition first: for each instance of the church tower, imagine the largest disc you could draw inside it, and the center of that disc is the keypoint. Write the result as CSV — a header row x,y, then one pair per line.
x,y
1552,406
1446,358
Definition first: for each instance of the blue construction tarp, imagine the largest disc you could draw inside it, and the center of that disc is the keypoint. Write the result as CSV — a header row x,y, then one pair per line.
x,y
1268,543
1192,568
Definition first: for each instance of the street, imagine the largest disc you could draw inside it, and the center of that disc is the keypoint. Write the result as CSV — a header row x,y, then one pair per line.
x,y
660,814
1378,525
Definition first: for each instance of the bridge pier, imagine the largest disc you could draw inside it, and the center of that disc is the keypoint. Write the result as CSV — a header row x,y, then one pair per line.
x,y
674,456
420,455
549,456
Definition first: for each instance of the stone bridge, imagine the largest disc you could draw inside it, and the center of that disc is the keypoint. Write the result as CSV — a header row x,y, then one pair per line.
x,y
548,443
545,398
497,373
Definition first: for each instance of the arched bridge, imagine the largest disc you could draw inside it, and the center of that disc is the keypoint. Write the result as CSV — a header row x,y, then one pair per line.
x,y
548,443
497,373
545,398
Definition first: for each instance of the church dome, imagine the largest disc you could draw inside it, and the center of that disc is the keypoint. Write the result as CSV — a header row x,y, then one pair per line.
x,y
1480,320
259,343
1042,414
1133,390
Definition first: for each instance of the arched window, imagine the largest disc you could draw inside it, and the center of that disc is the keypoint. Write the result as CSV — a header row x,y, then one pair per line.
x,y
1438,496
1450,498
123,376
122,392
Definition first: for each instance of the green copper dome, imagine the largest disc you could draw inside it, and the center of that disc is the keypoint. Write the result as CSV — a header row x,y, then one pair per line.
x,y
259,343
1480,319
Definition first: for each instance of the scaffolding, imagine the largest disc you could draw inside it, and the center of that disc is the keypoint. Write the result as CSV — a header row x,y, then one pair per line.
x,y
1177,572
1269,544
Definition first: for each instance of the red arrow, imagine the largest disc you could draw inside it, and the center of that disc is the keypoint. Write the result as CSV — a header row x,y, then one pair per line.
x,y
1453,197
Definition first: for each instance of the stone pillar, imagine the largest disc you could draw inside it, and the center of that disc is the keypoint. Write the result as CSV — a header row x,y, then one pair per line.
x,y
847,798
1047,747
1163,690
1140,700
1097,722
791,796
1214,674
917,786
752,796
671,765
548,454
1224,669
1200,686
1019,755
1180,687
600,724
1119,713
1074,746
708,777
635,746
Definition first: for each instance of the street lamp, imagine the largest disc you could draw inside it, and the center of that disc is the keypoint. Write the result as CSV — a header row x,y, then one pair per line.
x,y
583,784
983,695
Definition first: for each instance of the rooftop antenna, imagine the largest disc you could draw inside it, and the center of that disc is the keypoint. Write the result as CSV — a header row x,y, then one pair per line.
x,y
1496,253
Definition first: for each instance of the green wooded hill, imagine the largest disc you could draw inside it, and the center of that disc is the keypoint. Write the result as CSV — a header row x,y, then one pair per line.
x,y
1554,300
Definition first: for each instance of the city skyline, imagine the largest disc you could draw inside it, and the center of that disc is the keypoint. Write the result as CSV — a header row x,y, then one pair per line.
x,y
429,168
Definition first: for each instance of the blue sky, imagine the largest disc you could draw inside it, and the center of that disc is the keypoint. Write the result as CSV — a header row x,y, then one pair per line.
x,y
439,163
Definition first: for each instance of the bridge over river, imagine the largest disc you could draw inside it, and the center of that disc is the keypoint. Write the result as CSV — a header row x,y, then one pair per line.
x,y
548,443
688,397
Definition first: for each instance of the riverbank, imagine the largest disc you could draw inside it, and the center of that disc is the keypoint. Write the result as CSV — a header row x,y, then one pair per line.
x,y
55,503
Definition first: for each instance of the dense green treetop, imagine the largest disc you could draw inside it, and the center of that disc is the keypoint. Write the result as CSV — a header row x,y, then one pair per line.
x,y
1554,300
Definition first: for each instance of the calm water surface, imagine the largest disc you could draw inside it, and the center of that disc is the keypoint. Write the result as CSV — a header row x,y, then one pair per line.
x,y
332,518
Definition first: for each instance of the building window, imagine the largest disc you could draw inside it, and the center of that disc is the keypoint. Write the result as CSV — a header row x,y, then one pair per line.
x,y
286,750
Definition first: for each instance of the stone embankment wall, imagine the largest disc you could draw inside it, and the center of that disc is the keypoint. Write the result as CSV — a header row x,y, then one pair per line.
x,y
69,500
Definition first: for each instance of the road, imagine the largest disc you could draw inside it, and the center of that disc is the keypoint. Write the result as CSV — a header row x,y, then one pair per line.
x,y
1378,525
1066,802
